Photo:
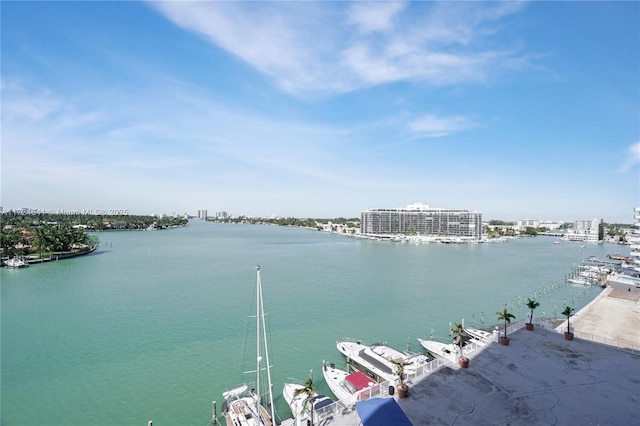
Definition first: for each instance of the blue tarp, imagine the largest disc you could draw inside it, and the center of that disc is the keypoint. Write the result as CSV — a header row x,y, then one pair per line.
x,y
381,412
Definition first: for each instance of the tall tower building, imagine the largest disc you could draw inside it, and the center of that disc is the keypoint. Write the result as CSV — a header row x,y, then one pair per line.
x,y
634,240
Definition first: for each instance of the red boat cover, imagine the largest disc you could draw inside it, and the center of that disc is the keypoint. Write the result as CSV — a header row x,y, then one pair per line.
x,y
360,380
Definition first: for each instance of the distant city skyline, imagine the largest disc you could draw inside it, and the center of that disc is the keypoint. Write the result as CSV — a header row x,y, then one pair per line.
x,y
517,110
203,214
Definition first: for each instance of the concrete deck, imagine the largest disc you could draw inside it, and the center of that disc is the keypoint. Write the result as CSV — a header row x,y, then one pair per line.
x,y
539,379
612,317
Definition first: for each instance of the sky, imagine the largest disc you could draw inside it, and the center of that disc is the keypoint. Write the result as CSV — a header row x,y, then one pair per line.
x,y
517,110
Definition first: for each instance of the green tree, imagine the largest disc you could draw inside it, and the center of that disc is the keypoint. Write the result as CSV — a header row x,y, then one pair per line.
x,y
567,313
532,304
9,238
505,316
400,370
601,230
40,240
458,331
309,390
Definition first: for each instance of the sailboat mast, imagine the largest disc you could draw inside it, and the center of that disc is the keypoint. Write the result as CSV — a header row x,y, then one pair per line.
x,y
266,352
258,356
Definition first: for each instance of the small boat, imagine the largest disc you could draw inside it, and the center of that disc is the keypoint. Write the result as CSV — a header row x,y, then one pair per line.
x,y
617,256
348,387
380,361
244,407
445,351
301,403
16,262
579,281
480,337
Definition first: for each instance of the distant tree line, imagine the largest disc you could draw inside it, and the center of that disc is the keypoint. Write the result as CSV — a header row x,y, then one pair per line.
x,y
291,221
91,222
500,223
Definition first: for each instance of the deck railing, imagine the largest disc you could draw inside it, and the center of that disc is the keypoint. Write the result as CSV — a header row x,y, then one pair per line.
x,y
622,345
382,389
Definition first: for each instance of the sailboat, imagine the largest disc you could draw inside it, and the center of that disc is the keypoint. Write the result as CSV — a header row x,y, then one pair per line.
x,y
243,406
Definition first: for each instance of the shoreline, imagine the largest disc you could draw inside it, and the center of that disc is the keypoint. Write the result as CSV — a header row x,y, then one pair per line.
x,y
31,261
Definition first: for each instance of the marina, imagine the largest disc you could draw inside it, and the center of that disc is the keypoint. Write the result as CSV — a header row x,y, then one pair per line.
x,y
150,340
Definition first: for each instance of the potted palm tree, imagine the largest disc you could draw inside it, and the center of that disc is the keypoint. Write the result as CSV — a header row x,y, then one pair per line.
x,y
403,388
458,331
505,316
567,313
531,304
310,390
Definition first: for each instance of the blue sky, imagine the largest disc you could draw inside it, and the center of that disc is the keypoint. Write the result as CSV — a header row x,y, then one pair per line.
x,y
322,109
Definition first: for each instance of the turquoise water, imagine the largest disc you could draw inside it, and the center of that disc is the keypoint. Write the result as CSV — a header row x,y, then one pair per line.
x,y
153,326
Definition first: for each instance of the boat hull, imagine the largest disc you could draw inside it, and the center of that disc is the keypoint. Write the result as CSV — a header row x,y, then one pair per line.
x,y
448,352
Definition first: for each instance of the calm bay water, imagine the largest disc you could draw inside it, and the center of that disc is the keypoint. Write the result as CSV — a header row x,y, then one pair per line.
x,y
153,325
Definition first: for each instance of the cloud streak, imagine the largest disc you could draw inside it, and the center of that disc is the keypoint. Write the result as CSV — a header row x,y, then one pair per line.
x,y
298,45
433,126
633,157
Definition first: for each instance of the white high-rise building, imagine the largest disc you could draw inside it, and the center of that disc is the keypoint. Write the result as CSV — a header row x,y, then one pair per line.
x,y
628,276
422,220
634,241
584,230
526,223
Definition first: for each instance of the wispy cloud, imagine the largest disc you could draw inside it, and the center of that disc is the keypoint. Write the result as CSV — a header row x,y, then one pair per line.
x,y
328,48
370,17
121,140
633,157
433,126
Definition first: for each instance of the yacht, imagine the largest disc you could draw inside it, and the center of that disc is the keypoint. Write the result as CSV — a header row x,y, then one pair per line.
x,y
348,387
446,351
481,337
16,262
580,281
380,361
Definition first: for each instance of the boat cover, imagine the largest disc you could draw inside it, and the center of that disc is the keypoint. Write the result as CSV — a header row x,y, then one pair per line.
x,y
360,380
381,412
364,354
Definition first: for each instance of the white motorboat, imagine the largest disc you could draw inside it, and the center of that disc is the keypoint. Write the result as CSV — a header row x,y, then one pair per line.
x,y
349,388
301,403
379,361
16,262
244,407
481,337
446,351
579,281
